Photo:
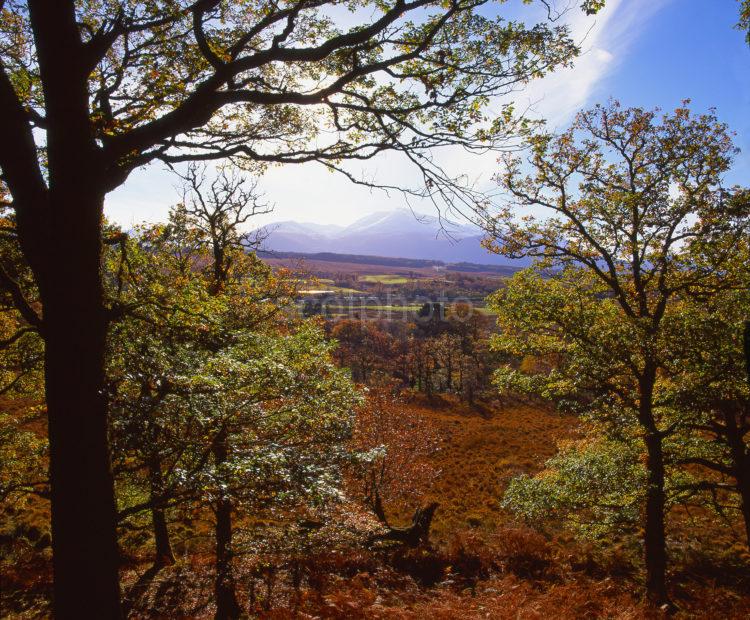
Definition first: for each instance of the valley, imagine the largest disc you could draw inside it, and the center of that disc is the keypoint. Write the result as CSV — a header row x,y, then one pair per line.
x,y
376,287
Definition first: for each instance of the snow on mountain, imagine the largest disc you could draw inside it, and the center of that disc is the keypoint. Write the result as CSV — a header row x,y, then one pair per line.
x,y
398,233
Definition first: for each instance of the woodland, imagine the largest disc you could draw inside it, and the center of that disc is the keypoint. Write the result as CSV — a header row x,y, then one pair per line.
x,y
190,430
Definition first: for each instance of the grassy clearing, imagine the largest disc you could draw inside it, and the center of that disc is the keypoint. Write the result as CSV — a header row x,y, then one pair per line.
x,y
484,448
385,279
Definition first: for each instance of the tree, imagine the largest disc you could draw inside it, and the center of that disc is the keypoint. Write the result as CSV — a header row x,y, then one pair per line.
x,y
639,219
364,348
217,210
90,92
595,486
392,445
220,403
709,379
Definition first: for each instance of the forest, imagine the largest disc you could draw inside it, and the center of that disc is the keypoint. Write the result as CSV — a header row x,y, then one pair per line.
x,y
194,427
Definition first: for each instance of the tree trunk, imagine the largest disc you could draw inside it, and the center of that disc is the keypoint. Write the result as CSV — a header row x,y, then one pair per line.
x,y
163,546
744,487
655,548
376,503
61,239
227,607
734,435
418,533
743,466
84,542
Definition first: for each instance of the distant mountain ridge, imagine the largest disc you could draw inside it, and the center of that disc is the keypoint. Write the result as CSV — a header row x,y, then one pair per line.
x,y
398,233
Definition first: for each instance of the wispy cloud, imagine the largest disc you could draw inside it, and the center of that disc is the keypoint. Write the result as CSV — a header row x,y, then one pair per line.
x,y
605,41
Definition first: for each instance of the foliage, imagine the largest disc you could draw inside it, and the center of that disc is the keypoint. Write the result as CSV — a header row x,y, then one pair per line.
x,y
23,445
227,79
23,452
92,91
640,228
188,364
594,486
393,445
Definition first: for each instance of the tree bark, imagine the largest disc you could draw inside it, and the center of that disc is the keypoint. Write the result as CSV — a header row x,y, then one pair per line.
x,y
418,533
84,542
655,548
60,233
227,607
164,555
734,435
744,487
743,464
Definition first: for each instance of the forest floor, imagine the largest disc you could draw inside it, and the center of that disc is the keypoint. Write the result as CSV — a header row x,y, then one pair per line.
x,y
481,564
494,567
484,447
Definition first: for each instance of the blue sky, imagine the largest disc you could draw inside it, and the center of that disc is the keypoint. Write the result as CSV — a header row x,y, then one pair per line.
x,y
689,49
643,52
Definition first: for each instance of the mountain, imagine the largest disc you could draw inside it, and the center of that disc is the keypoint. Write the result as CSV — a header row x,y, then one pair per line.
x,y
399,233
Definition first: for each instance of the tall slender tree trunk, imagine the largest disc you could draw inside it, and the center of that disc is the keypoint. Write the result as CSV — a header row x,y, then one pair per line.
x,y
655,548
743,462
164,555
225,590
227,607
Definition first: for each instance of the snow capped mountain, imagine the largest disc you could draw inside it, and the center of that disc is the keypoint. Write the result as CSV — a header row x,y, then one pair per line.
x,y
401,221
307,228
398,233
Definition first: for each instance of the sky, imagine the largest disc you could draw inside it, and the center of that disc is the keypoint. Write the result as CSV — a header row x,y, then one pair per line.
x,y
647,53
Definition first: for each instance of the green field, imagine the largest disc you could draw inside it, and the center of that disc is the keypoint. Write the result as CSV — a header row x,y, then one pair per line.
x,y
385,279
319,286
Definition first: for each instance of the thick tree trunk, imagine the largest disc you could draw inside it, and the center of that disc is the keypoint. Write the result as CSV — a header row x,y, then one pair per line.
x,y
734,435
85,553
163,546
227,607
744,487
61,238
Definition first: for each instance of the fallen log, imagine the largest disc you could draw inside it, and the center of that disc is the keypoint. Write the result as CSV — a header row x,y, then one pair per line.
x,y
418,533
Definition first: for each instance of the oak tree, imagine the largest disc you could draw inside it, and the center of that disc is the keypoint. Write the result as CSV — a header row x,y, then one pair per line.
x,y
636,218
